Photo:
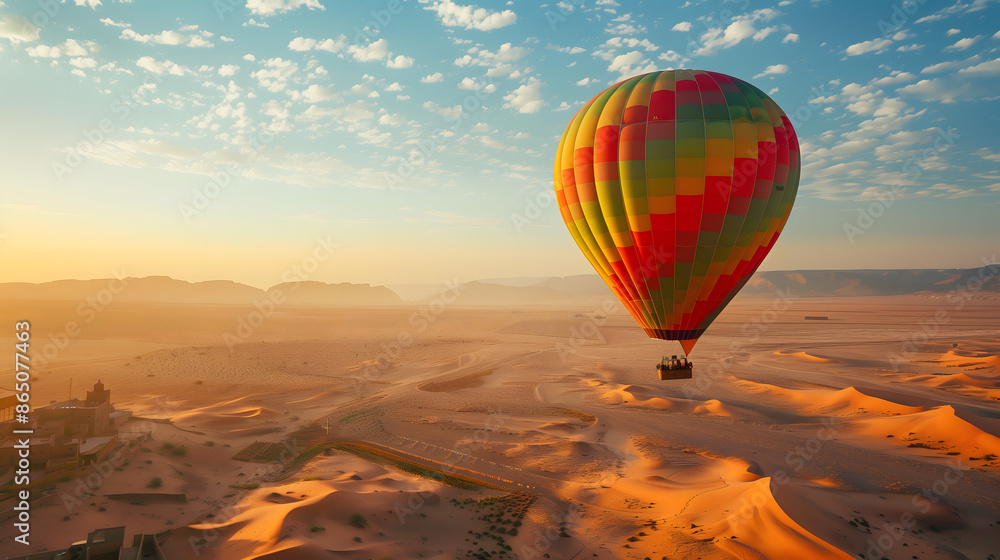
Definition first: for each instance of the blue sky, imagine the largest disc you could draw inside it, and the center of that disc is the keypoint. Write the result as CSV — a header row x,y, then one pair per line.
x,y
219,139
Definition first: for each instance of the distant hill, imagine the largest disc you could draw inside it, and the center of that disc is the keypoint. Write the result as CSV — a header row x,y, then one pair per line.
x,y
162,289
568,290
873,282
808,282
319,294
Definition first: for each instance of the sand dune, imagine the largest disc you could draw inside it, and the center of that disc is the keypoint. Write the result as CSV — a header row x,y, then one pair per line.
x,y
939,428
805,356
763,529
232,418
848,401
954,380
754,526
647,397
961,383
969,359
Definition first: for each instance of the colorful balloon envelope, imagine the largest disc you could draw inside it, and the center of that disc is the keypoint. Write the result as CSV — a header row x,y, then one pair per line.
x,y
675,185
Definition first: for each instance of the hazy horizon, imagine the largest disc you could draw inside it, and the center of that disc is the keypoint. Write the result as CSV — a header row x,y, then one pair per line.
x,y
443,280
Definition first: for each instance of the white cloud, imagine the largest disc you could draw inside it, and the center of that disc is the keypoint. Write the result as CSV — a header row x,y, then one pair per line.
x,y
392,120
373,136
988,68
499,63
963,44
328,45
682,26
88,3
673,57
272,7
228,69
373,51
69,47
894,78
986,154
169,37
952,31
162,38
773,69
470,17
468,83
275,73
399,62
317,93
763,33
624,29
527,98
742,27
875,45
199,42
301,44
394,86
948,66
566,7
113,23
584,82
937,89
791,38
432,78
957,8
569,50
16,29
630,42
83,62
631,64
150,64
44,51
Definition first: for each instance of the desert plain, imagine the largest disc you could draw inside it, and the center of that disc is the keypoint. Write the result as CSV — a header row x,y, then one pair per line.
x,y
439,430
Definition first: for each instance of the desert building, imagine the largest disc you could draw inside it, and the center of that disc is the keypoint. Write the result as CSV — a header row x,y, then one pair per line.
x,y
104,544
66,434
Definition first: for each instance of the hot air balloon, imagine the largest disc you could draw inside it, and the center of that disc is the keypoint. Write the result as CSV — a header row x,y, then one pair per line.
x,y
675,185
